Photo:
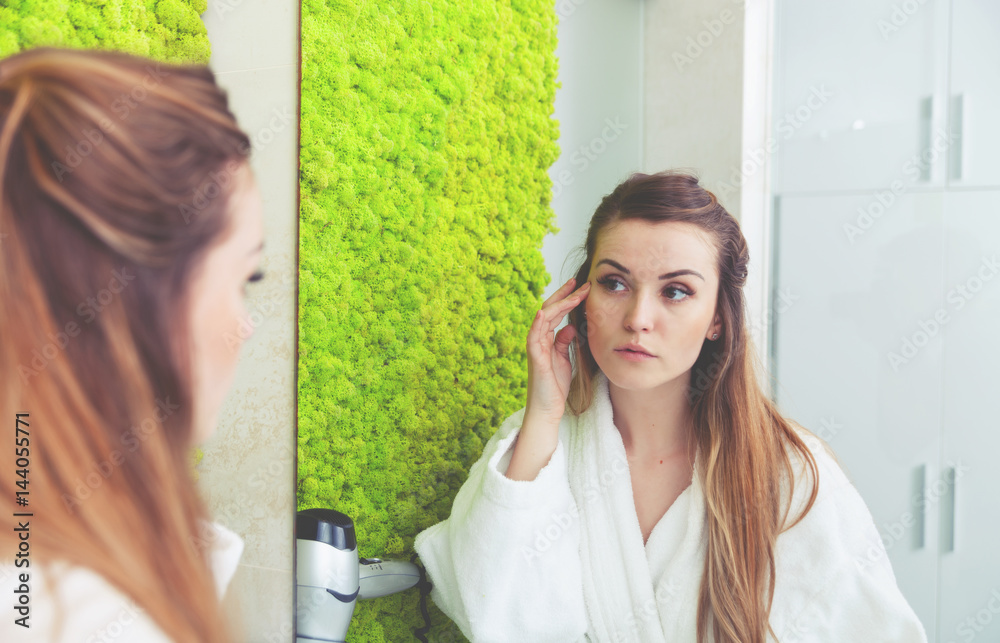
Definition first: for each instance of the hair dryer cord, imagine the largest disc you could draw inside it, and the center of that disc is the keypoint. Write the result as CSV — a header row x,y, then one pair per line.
x,y
425,589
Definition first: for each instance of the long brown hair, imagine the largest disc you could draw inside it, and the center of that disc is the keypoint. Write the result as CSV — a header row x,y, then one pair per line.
x,y
115,173
738,429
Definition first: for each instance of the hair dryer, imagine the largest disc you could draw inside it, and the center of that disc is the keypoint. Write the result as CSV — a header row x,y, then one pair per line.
x,y
330,578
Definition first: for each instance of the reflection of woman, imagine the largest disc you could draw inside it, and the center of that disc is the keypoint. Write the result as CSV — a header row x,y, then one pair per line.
x,y
130,222
660,507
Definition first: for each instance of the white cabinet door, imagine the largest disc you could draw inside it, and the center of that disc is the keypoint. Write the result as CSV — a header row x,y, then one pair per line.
x,y
851,364
975,93
970,550
860,94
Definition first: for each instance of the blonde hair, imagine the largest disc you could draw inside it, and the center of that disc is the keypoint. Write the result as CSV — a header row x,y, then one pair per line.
x,y
742,435
115,173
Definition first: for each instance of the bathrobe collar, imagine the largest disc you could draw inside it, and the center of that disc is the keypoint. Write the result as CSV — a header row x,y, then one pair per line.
x,y
623,602
225,550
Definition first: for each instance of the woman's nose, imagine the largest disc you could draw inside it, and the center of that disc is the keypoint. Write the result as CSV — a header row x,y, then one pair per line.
x,y
638,315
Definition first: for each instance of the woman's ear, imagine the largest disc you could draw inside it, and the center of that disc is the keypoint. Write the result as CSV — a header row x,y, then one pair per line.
x,y
715,330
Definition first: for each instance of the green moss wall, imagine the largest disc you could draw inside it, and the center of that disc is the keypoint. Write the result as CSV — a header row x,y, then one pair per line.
x,y
426,140
167,30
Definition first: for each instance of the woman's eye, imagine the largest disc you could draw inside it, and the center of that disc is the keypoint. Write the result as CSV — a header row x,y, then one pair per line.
x,y
257,276
671,292
608,282
675,290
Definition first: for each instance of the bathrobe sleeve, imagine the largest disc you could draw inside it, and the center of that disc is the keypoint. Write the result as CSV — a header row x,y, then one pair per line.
x,y
834,581
505,565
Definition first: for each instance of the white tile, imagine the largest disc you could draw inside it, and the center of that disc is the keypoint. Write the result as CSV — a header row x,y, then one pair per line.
x,y
248,472
693,95
260,604
266,105
252,34
248,475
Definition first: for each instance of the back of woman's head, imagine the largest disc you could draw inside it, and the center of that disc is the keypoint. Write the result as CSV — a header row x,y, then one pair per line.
x,y
744,441
115,174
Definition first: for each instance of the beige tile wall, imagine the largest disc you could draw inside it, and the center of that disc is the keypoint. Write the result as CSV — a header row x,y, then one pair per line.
x,y
693,105
248,472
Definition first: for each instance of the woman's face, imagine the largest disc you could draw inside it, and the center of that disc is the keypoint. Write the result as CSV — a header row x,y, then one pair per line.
x,y
218,319
654,284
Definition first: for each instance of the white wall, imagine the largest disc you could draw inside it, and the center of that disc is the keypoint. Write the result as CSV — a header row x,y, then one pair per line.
x,y
248,472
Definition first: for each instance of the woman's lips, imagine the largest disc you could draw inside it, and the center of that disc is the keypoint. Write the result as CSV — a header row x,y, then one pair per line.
x,y
634,356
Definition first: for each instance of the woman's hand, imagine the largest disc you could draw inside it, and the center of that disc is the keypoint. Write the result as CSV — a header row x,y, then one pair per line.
x,y
549,375
549,368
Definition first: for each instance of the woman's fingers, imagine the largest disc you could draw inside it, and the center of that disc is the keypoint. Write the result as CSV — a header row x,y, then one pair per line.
x,y
563,339
549,367
551,315
565,288
540,337
570,301
536,338
557,310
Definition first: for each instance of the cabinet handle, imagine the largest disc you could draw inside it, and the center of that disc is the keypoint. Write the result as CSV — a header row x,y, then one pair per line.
x,y
951,480
926,121
957,118
920,485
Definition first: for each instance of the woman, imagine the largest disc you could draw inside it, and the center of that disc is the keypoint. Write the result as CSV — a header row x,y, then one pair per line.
x,y
672,502
129,224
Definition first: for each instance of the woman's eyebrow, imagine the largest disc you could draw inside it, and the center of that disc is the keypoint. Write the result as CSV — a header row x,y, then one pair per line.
x,y
669,275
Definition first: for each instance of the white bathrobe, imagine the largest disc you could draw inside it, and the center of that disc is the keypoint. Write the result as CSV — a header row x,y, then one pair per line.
x,y
561,557
94,610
